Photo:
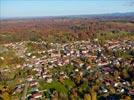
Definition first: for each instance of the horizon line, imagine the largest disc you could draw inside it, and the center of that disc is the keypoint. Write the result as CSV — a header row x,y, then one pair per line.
x,y
55,16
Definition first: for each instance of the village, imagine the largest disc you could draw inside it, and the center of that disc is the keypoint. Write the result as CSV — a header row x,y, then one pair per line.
x,y
80,70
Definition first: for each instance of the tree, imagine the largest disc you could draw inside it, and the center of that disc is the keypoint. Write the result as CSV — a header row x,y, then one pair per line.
x,y
93,95
87,97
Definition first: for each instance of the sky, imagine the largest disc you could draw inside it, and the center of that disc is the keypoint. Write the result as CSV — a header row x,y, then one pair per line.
x,y
39,8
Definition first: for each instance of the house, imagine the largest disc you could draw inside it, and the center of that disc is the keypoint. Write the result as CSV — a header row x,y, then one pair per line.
x,y
30,78
49,80
107,69
103,63
2,58
33,83
36,95
18,89
131,92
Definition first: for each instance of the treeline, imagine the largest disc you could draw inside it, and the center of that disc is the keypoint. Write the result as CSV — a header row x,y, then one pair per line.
x,y
65,37
60,30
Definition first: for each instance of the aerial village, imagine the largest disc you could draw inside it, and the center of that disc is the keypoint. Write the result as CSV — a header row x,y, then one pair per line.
x,y
81,70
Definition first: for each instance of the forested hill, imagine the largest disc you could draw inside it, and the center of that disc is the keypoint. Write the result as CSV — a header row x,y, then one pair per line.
x,y
67,28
